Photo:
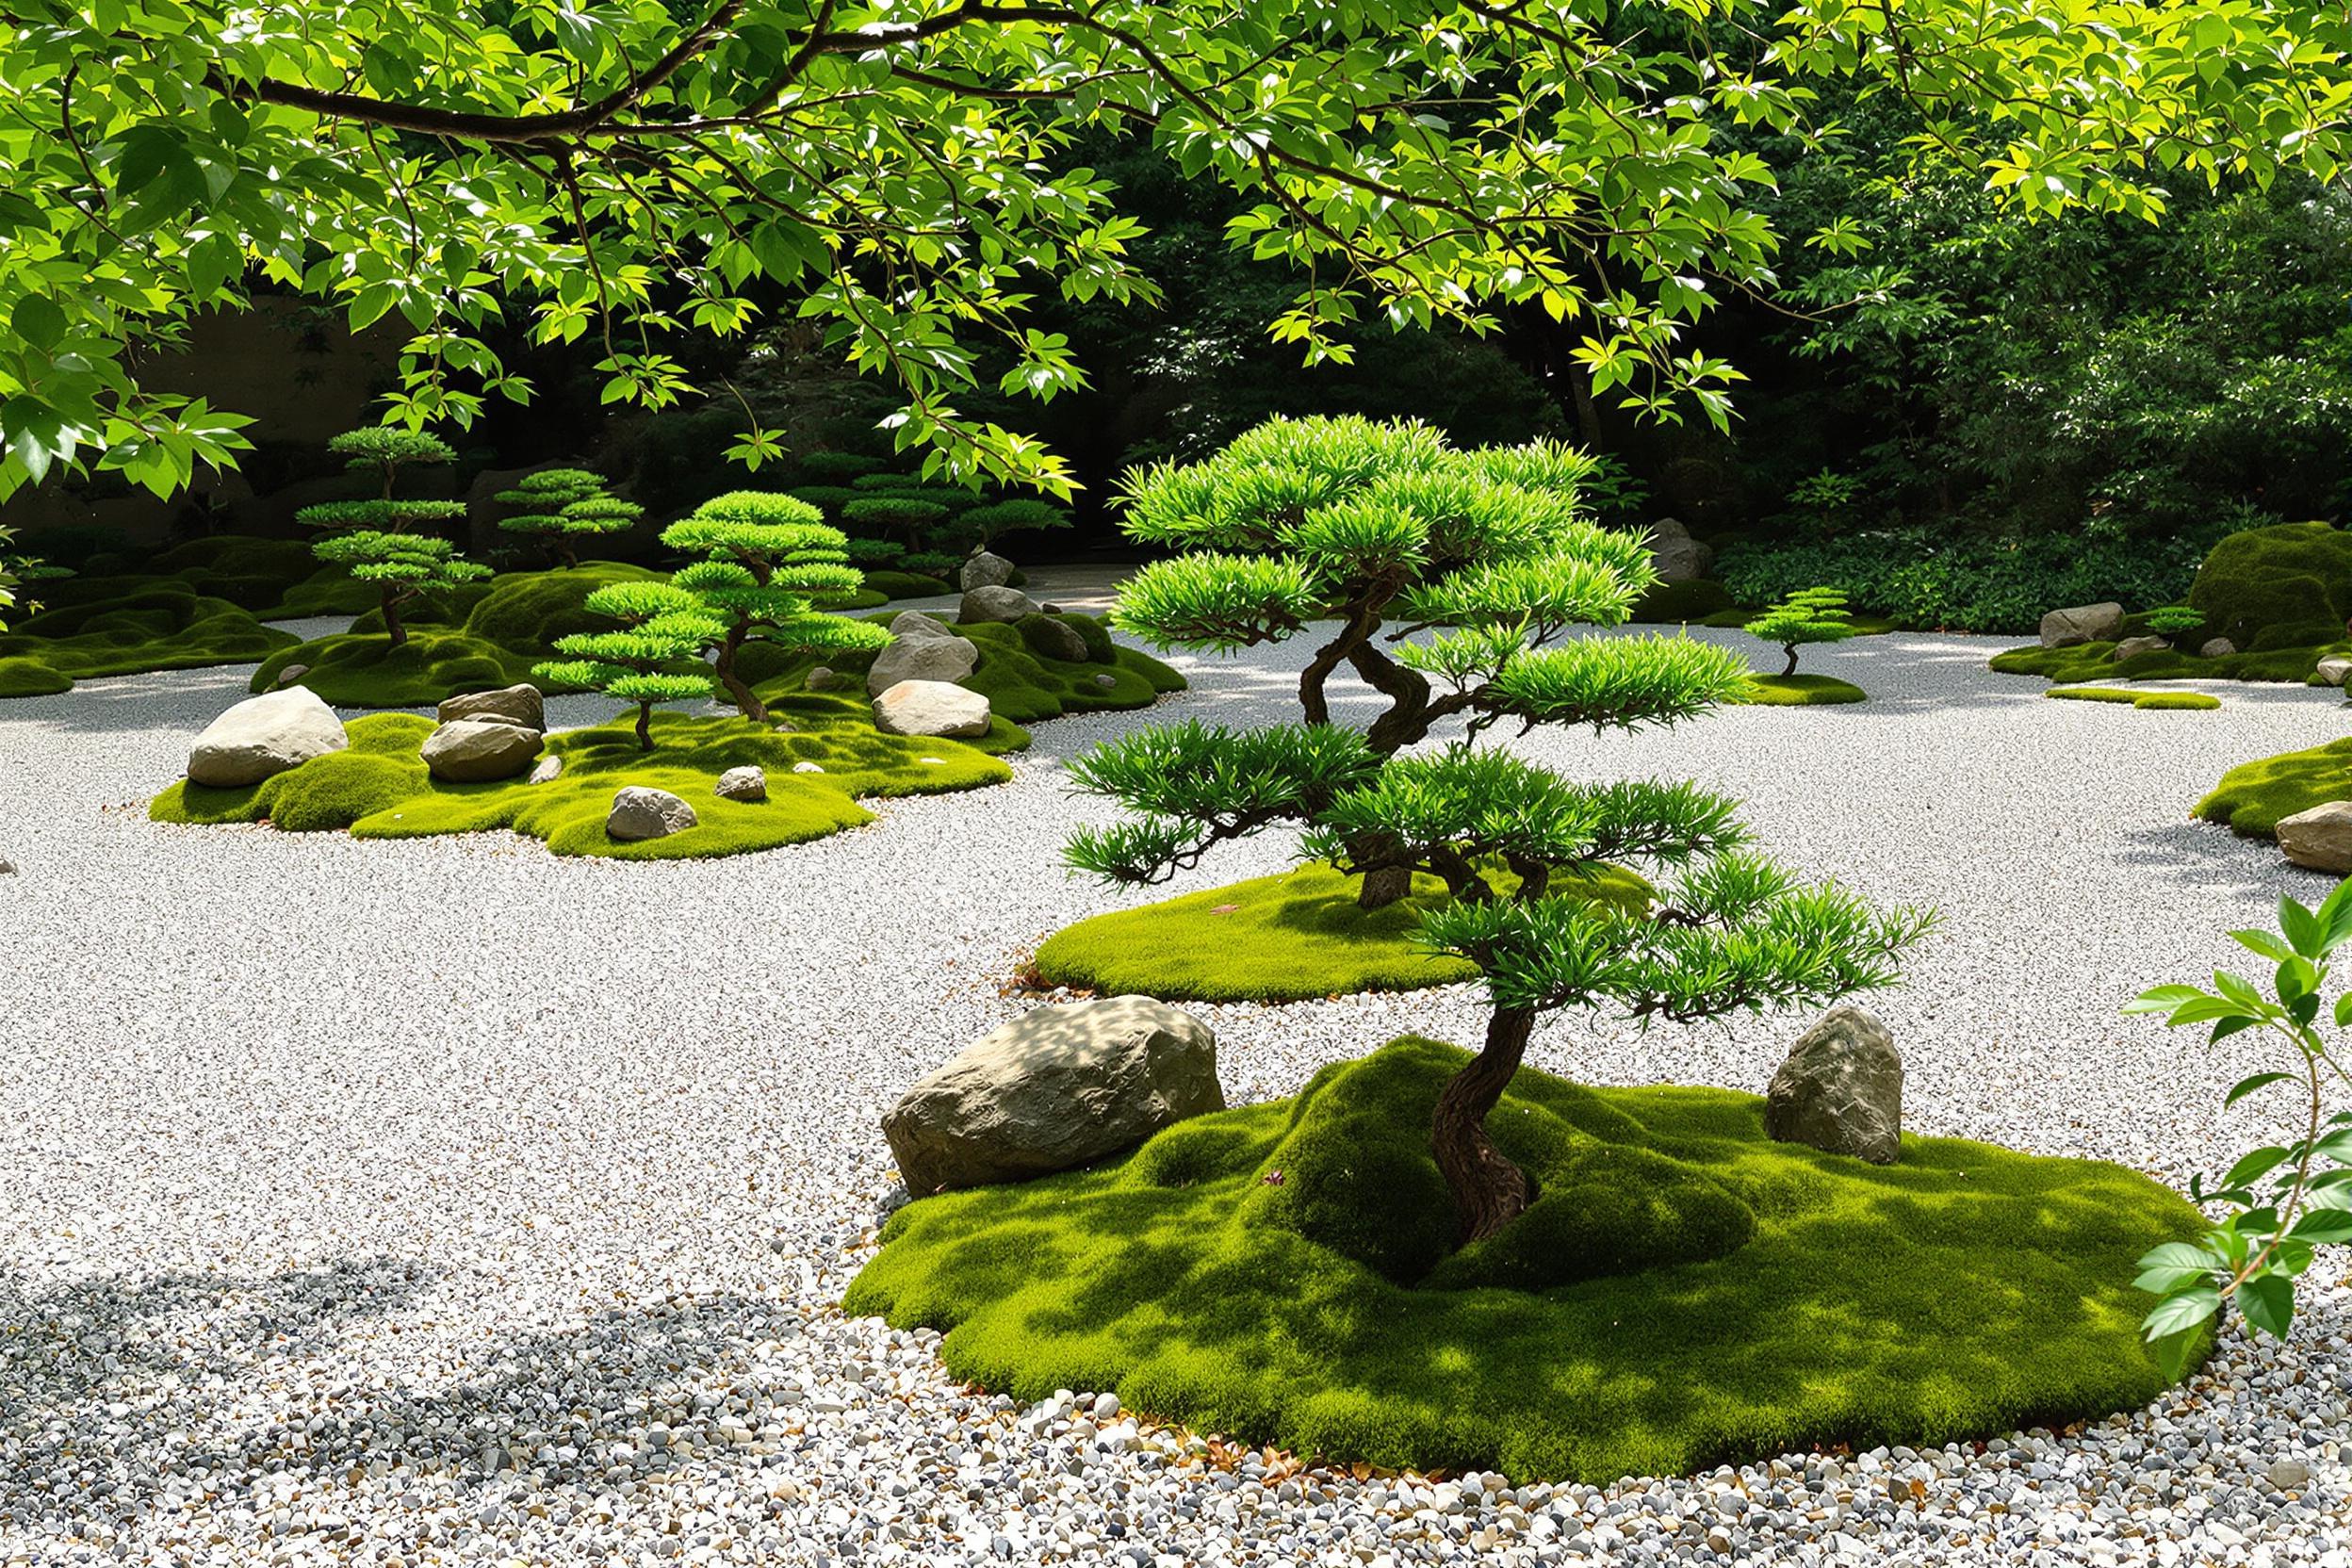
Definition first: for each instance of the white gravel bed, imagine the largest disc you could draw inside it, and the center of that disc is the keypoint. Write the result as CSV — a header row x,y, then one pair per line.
x,y
447,1202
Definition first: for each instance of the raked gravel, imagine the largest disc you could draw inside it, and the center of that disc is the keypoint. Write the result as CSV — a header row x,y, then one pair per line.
x,y
446,1201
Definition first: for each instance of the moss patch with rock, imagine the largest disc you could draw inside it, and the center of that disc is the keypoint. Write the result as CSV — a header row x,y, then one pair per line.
x,y
1292,937
2201,700
379,789
1684,1292
2095,662
1020,671
162,626
1801,690
2253,797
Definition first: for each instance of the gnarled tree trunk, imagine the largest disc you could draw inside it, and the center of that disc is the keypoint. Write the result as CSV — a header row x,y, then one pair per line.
x,y
392,626
745,699
1489,1192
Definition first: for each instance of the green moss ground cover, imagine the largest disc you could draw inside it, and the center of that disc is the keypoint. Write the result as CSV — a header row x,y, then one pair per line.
x,y
163,626
903,585
2253,797
1683,1293
2096,661
1801,690
378,789
1292,937
1022,684
2136,699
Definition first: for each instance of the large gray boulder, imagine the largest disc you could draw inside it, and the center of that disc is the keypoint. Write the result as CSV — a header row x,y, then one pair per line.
x,y
1054,1088
931,708
639,813
474,751
995,604
518,705
2319,838
1054,640
914,623
1675,555
987,570
1840,1090
747,784
2082,623
947,658
263,737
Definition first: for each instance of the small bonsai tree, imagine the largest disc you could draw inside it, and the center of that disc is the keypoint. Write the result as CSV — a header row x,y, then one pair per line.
x,y
654,656
2173,620
982,525
1807,615
908,517
563,506
375,537
768,561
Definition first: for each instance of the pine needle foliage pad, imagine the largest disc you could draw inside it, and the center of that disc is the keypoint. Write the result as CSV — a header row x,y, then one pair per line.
x,y
1684,1293
378,789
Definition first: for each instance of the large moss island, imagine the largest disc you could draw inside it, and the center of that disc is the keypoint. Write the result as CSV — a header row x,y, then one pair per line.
x,y
1683,1292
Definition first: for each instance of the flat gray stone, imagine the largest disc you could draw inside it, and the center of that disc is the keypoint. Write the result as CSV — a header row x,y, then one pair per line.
x,y
518,705
1840,1090
2132,647
639,813
2333,670
2082,623
1056,1088
546,770
2319,838
947,658
291,674
931,708
475,751
263,737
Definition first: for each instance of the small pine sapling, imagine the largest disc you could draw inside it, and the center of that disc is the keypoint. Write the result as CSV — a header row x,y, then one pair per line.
x,y
2173,620
563,506
1807,615
654,656
768,563
374,537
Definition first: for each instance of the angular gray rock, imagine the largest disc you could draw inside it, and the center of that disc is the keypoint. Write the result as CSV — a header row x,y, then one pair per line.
x,y
1058,1086
639,812
947,658
474,751
995,604
263,737
7,867
2132,647
518,704
748,784
1840,1090
2333,670
546,770
930,707
914,623
1675,555
2082,623
985,570
1055,640
2220,647
2319,838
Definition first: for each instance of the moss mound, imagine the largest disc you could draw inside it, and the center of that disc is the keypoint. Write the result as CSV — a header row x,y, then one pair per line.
x,y
1801,690
2135,699
379,789
2285,586
2253,797
1686,1292
29,678
1691,601
2095,661
162,626
903,585
1292,937
1022,685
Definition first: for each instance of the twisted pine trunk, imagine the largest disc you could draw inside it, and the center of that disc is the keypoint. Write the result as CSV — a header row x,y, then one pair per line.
x,y
745,699
392,626
1489,1192
1792,649
645,726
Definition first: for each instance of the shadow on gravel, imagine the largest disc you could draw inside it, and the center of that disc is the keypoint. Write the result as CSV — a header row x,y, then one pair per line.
x,y
251,1383
2203,854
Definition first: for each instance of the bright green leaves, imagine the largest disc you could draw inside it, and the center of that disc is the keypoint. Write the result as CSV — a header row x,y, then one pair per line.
x,y
1808,616
2284,1199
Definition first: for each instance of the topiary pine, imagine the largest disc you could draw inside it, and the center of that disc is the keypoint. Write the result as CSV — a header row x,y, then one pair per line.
x,y
655,656
768,561
910,517
1312,519
982,525
561,506
1807,615
2172,619
373,538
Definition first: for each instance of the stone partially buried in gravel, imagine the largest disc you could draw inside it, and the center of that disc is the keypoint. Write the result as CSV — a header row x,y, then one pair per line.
x,y
2319,838
477,751
1056,1088
948,657
995,604
1840,1090
748,784
931,708
518,705
263,737
2082,623
639,812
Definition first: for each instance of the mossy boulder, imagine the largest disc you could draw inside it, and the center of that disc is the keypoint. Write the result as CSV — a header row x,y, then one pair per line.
x,y
2285,586
1021,686
2253,797
1684,1292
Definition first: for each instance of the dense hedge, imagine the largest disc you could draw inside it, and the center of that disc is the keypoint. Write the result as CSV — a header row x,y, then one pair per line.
x,y
1965,584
